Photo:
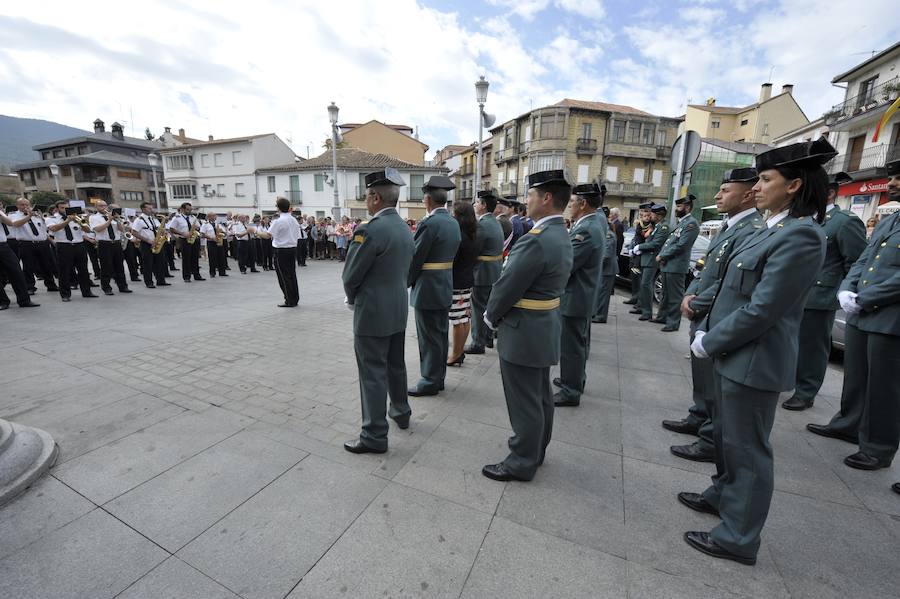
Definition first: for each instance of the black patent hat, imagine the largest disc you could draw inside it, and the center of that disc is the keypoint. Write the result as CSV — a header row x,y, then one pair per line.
x,y
740,175
388,176
805,155
688,199
554,177
438,182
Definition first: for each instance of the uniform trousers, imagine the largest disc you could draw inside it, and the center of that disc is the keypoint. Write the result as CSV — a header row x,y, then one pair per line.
x,y
243,254
168,254
11,271
607,285
382,374
92,255
672,294
216,255
870,404
73,259
701,413
645,297
23,264
152,265
268,253
432,329
301,252
132,259
635,281
480,296
112,265
575,343
286,271
190,259
529,402
815,347
745,469
38,255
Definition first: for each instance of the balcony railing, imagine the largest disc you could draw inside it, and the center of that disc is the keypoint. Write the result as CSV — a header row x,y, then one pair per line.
x,y
877,97
464,194
91,177
869,158
663,152
584,145
506,154
629,188
509,188
466,169
295,196
524,147
360,193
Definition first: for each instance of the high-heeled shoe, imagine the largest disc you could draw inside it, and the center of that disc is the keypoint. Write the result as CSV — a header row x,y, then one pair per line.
x,y
458,361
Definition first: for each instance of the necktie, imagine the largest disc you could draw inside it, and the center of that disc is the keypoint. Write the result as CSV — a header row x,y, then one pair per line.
x,y
69,234
111,232
724,227
5,228
33,228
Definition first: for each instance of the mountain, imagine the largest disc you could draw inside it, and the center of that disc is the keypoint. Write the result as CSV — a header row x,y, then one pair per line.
x,y
18,135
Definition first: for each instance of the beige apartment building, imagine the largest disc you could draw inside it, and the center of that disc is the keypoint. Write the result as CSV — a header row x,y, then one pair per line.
x,y
760,122
375,137
464,176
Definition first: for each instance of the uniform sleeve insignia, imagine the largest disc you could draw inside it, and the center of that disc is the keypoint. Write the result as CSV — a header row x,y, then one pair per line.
x,y
579,237
534,231
690,226
358,239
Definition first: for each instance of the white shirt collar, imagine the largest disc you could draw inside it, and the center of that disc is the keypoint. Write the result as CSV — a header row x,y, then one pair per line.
x,y
733,220
383,210
546,219
774,220
483,215
444,208
584,217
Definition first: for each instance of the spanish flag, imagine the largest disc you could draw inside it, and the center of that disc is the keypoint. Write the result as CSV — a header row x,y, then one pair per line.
x,y
887,116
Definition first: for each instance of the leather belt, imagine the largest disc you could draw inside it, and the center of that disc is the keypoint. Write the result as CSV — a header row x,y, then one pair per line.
x,y
496,258
437,266
536,304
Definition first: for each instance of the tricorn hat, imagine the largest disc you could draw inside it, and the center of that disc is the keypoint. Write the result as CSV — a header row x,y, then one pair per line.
x,y
388,176
438,182
839,178
488,193
645,205
740,175
892,168
688,199
658,208
804,155
554,177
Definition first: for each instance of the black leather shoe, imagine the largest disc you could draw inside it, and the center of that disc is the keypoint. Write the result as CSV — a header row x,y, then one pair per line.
x,y
402,422
421,391
357,446
696,502
4,305
643,318
826,431
635,311
458,362
474,349
164,284
693,452
668,329
135,279
658,320
67,299
199,279
796,405
630,302
681,426
863,461
151,286
499,472
702,543
254,270
561,402
896,488
29,305
557,381
287,305
126,290
110,292
489,344
89,295
598,320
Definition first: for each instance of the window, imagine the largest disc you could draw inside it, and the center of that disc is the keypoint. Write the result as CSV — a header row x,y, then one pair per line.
x,y
510,137
415,187
714,124
220,190
180,162
553,125
657,178
583,173
866,89
65,171
82,150
57,153
634,133
41,172
217,159
647,134
132,196
70,152
238,190
638,175
612,173
744,122
361,190
271,182
618,131
546,162
661,137
184,192
204,160
45,155
128,174
585,133
319,182
294,185
236,158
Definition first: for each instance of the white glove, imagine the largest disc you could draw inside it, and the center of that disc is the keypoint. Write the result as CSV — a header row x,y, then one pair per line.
x,y
697,345
848,302
637,251
489,324
348,304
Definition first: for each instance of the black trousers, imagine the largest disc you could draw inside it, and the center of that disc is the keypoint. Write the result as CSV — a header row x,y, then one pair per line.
x,y
112,265
301,252
190,254
243,255
38,256
168,254
132,259
152,265
286,271
256,251
11,271
93,256
267,253
216,256
73,258
310,248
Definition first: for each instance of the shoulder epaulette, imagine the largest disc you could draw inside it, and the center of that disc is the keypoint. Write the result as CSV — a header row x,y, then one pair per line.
x,y
535,231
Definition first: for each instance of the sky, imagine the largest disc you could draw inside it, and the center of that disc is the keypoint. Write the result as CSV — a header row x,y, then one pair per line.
x,y
237,68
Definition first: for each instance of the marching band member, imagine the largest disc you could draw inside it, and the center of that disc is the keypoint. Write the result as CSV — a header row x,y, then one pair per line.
x,y
145,228
107,226
34,247
183,226
70,249
132,253
11,271
283,236
214,235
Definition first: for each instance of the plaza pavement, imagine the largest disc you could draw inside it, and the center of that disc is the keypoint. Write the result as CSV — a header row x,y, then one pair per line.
x,y
200,431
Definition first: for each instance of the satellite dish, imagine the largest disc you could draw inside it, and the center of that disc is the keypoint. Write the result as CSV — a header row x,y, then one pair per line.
x,y
488,119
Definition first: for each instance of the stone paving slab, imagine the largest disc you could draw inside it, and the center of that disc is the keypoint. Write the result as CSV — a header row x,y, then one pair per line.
x,y
174,579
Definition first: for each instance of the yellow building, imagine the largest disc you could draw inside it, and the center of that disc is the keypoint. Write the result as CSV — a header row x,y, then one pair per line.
x,y
760,122
396,141
464,175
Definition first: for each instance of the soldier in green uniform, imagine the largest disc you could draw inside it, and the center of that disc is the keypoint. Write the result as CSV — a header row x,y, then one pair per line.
x,y
642,231
845,237
588,237
751,334
736,199
647,252
674,261
489,244
431,279
374,278
608,272
870,295
524,306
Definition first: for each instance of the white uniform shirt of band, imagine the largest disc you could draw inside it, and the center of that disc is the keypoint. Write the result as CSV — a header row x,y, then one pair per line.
x,y
24,232
285,231
103,234
60,236
238,229
207,228
3,228
143,228
181,224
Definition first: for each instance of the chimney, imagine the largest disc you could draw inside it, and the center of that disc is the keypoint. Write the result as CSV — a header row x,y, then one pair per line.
x,y
210,138
765,92
117,131
168,129
710,101
181,132
99,127
787,88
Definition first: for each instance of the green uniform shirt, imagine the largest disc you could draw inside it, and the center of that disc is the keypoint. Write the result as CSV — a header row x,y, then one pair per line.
x,y
676,250
588,246
431,272
845,240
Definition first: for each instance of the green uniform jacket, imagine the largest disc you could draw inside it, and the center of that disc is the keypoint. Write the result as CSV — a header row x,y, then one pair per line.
x,y
720,249
538,268
375,274
488,242
754,323
654,243
437,239
876,278
676,250
845,240
588,246
610,259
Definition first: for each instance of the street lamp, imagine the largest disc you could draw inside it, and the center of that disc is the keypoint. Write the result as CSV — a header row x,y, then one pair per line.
x,y
153,159
481,90
335,134
54,170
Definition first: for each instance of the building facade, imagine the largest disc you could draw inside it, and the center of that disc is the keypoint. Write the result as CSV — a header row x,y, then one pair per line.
x,y
375,137
10,188
108,166
464,176
310,186
716,157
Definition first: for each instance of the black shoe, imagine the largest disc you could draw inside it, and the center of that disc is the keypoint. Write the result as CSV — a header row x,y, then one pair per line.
x,y
598,320
636,311
421,391
557,381
53,289
357,446
458,362
223,275
561,402
27,305
151,286
796,405
135,279
164,284
702,543
67,299
499,472
658,320
489,344
287,305
402,422
826,431
173,268
110,292
187,280
681,426
4,305
630,302
199,279
126,290
89,295
643,318
693,452
668,329
696,502
896,488
863,461
94,284
253,270
474,349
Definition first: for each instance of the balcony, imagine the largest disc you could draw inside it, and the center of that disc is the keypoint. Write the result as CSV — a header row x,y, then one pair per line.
x,y
84,175
867,160
585,145
632,189
506,154
295,196
631,150
509,188
466,170
663,152
863,107
525,147
464,193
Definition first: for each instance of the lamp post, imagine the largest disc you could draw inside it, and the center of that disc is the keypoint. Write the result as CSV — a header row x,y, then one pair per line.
x,y
153,159
54,170
333,117
481,90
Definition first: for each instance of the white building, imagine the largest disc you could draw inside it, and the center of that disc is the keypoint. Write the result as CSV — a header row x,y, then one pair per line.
x,y
808,132
220,175
308,184
872,86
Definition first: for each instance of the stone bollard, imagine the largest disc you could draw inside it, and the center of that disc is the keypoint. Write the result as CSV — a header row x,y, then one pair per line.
x,y
25,454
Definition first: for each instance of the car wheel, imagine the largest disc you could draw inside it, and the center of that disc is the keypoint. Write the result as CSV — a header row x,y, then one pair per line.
x,y
657,288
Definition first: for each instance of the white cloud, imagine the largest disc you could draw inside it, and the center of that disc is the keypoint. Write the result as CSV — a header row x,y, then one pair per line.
x,y
527,9
569,56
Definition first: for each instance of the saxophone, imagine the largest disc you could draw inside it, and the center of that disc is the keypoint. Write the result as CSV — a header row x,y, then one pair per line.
x,y
195,233
160,236
220,238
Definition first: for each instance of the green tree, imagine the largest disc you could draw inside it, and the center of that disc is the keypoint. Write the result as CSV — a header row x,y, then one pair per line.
x,y
45,198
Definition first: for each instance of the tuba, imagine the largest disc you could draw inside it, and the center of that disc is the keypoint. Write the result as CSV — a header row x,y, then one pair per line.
x,y
160,239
